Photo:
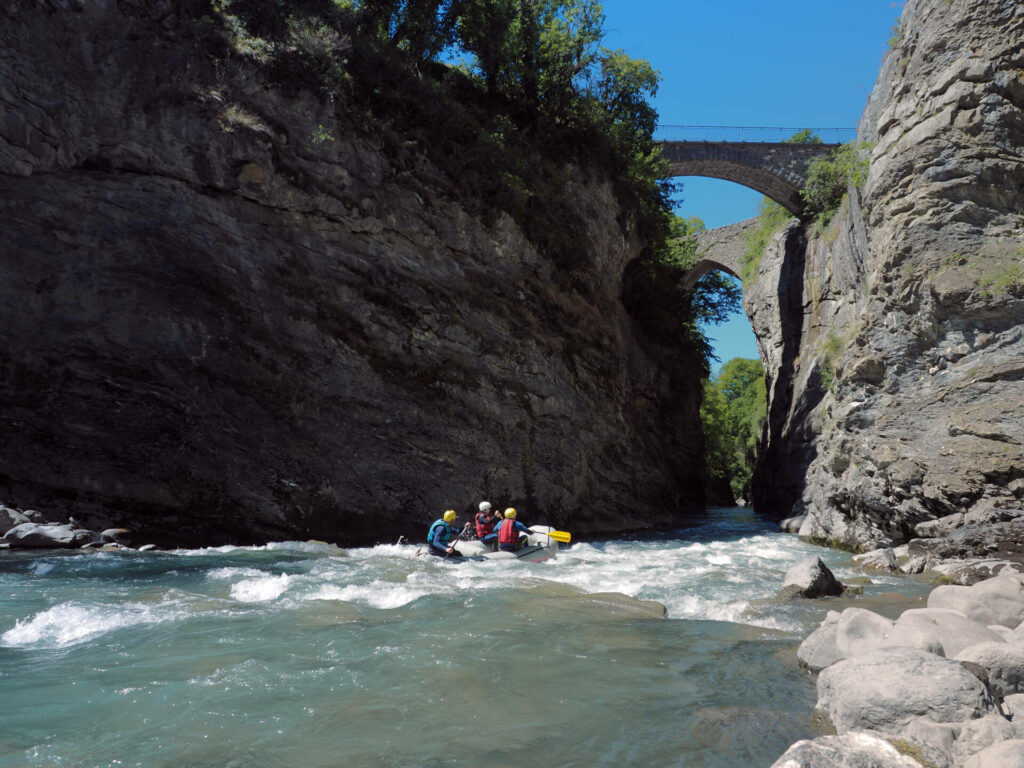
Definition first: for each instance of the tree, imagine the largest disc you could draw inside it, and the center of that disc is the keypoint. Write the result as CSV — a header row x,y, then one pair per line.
x,y
733,414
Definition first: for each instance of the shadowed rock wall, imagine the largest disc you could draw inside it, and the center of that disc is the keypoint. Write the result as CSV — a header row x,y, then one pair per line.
x,y
232,315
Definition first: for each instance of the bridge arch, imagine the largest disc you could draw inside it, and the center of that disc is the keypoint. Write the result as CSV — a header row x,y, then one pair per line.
x,y
777,170
721,248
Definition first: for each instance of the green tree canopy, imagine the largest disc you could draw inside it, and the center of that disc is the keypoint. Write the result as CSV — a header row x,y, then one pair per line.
x,y
733,413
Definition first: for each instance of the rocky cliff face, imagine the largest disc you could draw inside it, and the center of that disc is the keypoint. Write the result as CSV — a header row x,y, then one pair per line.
x,y
231,315
896,351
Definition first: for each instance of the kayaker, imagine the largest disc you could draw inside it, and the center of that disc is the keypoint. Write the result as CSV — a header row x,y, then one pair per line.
x,y
487,520
442,534
511,533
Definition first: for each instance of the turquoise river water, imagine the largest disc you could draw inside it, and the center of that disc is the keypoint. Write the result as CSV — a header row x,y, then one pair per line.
x,y
301,655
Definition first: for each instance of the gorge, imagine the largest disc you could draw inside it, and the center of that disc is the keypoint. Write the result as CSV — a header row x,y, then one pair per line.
x,y
239,313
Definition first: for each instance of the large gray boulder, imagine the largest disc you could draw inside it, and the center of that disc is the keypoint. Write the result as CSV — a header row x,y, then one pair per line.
x,y
994,601
859,631
851,750
47,536
1005,754
939,631
10,518
1004,663
883,559
885,689
810,578
819,650
932,743
978,735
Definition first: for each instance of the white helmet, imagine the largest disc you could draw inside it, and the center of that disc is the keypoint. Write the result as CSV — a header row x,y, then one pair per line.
x,y
485,506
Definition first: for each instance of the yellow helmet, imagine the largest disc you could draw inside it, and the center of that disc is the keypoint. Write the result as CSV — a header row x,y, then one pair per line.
x,y
449,515
510,512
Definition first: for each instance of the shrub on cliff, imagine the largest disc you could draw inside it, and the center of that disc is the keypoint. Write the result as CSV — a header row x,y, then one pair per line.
x,y
667,313
828,178
504,96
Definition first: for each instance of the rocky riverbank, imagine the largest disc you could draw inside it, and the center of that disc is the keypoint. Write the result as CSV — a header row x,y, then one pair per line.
x,y
937,687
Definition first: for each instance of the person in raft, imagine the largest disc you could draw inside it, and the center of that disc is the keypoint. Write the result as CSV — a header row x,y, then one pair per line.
x,y
487,520
442,535
511,533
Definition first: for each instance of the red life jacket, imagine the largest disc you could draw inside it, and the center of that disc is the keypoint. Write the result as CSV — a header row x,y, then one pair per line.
x,y
484,524
507,533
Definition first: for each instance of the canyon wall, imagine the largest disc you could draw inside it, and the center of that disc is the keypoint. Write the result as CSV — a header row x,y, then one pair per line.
x,y
894,339
233,314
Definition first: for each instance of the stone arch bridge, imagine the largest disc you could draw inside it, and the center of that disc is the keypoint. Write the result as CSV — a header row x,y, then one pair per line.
x,y
759,158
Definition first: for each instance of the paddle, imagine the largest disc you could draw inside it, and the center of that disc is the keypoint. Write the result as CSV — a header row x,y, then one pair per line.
x,y
562,536
464,529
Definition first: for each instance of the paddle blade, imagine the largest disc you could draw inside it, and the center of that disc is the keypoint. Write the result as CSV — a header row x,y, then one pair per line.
x,y
562,536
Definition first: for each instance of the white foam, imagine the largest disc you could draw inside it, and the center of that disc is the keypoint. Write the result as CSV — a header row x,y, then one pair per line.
x,y
229,574
381,595
261,589
70,624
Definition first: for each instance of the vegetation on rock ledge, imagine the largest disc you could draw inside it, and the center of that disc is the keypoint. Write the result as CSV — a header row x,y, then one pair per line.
x,y
510,99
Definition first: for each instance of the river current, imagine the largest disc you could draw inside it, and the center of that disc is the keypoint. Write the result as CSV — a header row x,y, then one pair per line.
x,y
301,655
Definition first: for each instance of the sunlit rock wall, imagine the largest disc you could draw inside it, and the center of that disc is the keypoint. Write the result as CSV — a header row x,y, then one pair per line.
x,y
912,303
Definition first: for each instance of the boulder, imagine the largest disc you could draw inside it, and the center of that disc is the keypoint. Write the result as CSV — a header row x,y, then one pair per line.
x,y
851,750
877,560
1005,633
1004,663
792,524
859,631
999,600
47,536
9,518
1013,706
885,689
931,743
941,527
819,650
810,578
978,735
1005,754
939,631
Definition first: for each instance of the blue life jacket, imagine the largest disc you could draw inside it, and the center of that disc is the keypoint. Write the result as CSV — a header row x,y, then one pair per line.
x,y
444,537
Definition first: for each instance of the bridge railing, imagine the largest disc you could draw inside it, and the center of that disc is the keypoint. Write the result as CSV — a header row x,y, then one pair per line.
x,y
747,134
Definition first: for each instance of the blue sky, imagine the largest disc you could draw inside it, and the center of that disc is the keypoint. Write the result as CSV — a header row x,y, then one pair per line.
x,y
792,64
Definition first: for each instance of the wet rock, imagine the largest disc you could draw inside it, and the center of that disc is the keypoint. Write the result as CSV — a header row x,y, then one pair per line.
x,y
810,578
792,524
47,536
10,518
883,559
